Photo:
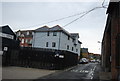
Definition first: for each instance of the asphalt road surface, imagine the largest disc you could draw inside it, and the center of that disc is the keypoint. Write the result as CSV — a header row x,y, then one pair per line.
x,y
88,71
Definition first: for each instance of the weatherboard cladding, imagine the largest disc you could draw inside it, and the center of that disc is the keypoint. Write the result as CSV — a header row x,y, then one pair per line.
x,y
8,39
7,30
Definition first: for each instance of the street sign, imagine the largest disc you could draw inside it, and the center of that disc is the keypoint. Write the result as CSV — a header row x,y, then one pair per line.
x,y
5,48
6,35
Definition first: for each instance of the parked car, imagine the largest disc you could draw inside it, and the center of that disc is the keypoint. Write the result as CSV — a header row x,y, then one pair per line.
x,y
98,60
83,61
93,61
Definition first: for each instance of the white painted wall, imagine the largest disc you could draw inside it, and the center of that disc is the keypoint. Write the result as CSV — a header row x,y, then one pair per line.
x,y
64,42
40,39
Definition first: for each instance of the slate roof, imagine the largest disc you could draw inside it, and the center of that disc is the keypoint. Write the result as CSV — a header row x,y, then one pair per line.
x,y
44,28
54,28
57,28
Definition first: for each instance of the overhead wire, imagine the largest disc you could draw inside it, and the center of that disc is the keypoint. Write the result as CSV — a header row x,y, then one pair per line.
x,y
58,19
82,15
103,6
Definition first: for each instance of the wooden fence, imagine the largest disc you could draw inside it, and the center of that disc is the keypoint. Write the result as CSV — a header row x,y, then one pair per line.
x,y
40,58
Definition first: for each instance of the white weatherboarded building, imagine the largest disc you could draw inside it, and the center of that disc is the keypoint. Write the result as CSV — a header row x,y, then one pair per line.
x,y
56,38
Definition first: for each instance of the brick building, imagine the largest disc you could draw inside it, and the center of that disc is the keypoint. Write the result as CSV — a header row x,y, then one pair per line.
x,y
84,53
111,41
25,36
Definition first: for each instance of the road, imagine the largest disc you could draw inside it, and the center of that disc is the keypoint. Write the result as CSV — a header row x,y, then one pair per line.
x,y
81,71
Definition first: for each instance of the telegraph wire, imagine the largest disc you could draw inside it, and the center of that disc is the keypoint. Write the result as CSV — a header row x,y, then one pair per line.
x,y
83,15
104,6
59,19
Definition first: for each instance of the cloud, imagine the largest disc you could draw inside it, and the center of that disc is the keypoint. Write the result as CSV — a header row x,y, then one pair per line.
x,y
51,0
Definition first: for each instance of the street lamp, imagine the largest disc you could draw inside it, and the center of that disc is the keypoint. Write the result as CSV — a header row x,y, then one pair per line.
x,y
99,43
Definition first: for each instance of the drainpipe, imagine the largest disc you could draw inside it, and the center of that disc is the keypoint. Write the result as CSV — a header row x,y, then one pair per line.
x,y
57,52
59,41
33,39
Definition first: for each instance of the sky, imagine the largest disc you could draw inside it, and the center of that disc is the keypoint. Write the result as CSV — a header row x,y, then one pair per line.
x,y
29,14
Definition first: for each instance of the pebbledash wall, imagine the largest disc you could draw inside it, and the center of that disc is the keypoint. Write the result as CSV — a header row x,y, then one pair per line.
x,y
56,38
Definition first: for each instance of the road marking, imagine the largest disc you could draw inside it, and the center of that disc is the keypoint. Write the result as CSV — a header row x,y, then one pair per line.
x,y
94,68
91,77
86,71
92,74
81,71
76,70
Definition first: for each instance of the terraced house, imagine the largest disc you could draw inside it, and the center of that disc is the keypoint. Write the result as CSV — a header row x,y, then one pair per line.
x,y
56,38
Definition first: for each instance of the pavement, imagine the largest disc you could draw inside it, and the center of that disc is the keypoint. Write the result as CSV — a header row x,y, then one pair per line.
x,y
105,75
24,73
81,71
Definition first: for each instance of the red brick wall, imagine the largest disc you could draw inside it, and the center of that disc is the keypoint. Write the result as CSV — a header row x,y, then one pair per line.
x,y
25,44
